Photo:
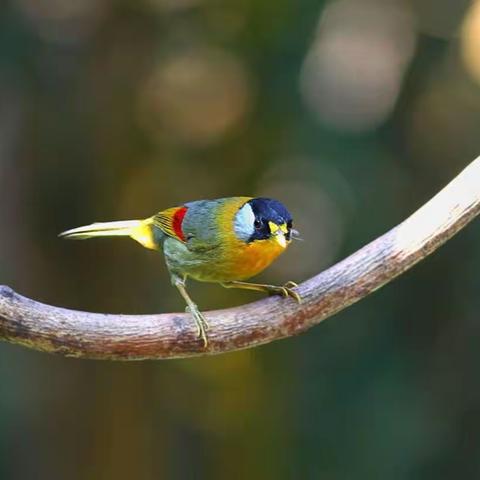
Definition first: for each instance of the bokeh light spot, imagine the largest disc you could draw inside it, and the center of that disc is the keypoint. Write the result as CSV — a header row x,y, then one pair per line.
x,y
471,41
197,96
353,71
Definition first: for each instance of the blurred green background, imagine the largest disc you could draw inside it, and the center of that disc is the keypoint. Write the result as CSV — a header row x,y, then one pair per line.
x,y
353,113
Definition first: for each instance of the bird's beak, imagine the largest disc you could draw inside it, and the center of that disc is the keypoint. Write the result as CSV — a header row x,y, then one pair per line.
x,y
279,232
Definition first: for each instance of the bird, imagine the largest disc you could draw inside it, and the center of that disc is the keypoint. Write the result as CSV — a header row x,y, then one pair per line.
x,y
224,241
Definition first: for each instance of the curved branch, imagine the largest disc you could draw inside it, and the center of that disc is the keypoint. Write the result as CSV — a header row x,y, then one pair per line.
x,y
135,337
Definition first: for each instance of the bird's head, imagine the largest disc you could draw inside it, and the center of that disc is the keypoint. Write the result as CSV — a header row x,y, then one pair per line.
x,y
264,219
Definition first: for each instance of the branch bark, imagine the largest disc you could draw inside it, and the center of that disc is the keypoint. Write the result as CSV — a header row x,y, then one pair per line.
x,y
172,335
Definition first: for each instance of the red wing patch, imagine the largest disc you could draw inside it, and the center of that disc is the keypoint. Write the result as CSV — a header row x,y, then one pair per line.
x,y
170,221
177,221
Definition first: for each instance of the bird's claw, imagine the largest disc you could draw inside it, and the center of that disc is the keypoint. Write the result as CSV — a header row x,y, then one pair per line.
x,y
200,322
287,291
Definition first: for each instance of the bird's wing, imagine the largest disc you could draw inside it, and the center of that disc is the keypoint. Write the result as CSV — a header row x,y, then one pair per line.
x,y
170,222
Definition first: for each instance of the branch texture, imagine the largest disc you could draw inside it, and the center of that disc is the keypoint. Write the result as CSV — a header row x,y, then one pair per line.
x,y
172,335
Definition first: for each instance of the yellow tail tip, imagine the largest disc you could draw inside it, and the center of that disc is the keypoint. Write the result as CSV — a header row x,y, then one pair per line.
x,y
139,230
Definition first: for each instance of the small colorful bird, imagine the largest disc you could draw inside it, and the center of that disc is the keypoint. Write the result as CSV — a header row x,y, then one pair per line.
x,y
225,241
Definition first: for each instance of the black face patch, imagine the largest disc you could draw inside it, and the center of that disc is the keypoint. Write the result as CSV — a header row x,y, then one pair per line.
x,y
268,210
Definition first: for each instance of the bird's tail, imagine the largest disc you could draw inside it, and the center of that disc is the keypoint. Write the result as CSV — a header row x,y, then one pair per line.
x,y
139,230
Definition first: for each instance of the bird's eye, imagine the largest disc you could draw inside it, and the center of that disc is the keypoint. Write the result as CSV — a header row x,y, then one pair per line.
x,y
257,224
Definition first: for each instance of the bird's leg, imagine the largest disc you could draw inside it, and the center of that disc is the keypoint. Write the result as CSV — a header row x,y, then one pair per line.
x,y
285,290
200,321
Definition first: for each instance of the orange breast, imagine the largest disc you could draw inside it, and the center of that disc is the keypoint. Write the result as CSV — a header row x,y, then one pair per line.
x,y
251,258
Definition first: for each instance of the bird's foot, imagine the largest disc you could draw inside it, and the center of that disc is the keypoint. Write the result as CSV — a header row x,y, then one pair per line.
x,y
200,321
285,291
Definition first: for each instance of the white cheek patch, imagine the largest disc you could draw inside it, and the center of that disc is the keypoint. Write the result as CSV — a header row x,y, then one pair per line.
x,y
244,222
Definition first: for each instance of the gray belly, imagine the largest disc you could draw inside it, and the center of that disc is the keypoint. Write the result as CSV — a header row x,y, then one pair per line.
x,y
200,264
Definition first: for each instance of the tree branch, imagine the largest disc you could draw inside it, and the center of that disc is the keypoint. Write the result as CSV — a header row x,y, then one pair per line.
x,y
135,337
